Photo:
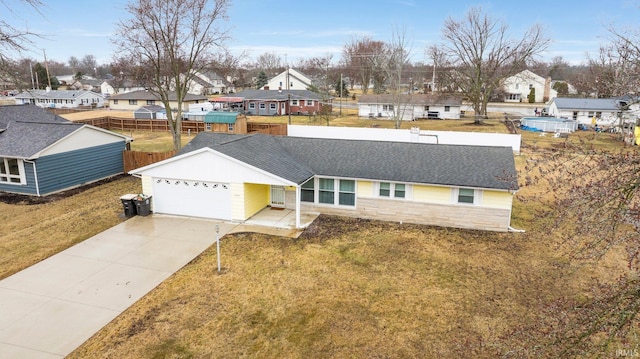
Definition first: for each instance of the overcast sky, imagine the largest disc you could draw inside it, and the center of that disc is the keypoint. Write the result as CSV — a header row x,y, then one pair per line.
x,y
302,29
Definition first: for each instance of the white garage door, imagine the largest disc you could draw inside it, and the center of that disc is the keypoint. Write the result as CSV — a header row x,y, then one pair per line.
x,y
192,198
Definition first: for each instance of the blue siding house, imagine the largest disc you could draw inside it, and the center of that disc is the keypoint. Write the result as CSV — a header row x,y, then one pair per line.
x,y
41,153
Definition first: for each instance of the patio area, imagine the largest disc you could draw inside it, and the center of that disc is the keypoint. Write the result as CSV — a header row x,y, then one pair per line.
x,y
276,221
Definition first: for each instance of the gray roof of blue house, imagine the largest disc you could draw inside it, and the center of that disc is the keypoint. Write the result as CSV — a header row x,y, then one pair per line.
x,y
586,104
56,94
298,159
277,95
26,130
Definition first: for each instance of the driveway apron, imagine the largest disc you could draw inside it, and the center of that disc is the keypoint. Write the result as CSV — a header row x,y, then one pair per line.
x,y
52,307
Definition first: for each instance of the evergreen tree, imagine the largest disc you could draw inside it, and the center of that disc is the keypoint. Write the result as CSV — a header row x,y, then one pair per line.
x,y
345,91
532,95
261,80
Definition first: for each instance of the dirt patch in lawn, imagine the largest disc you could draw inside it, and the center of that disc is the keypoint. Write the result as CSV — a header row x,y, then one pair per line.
x,y
15,198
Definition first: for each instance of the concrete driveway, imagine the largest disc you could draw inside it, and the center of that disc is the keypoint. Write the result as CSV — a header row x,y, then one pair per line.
x,y
51,308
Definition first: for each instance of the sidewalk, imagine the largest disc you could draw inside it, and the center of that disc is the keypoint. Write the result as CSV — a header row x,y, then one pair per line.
x,y
52,307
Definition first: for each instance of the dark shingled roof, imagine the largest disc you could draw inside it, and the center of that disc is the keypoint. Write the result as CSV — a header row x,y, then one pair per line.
x,y
26,130
277,95
298,159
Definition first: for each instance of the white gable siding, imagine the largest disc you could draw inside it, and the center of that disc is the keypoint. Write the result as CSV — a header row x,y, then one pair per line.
x,y
83,138
213,166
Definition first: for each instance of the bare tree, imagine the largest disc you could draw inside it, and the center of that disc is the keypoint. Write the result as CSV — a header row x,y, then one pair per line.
x,y
173,39
398,54
13,40
361,57
271,63
483,54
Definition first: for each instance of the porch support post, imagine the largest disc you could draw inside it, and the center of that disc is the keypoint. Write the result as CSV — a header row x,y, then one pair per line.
x,y
298,206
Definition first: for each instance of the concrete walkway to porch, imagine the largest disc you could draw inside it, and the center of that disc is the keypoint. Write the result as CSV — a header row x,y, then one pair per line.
x,y
276,221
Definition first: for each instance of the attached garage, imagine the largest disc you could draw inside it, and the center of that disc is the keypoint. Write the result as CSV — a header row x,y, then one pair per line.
x,y
192,198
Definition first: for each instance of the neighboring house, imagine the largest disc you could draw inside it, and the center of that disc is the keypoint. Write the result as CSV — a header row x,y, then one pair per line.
x,y
233,177
114,86
131,101
412,107
60,98
296,81
41,153
518,87
274,102
210,83
588,111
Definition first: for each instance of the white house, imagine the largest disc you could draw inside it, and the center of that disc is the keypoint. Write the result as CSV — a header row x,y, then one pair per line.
x,y
296,80
60,98
411,107
114,86
588,111
209,83
518,87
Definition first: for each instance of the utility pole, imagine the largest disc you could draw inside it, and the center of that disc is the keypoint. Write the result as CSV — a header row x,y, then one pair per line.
x,y
340,94
46,65
288,96
433,78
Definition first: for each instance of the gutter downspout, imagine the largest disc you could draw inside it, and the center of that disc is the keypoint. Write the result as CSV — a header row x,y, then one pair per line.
x,y
509,228
35,175
298,206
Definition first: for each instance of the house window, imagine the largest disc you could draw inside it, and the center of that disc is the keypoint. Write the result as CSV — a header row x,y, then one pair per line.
x,y
326,191
230,127
263,106
207,126
294,102
392,190
307,191
466,195
347,194
272,106
575,115
309,102
11,170
385,189
426,108
115,102
252,106
447,108
387,107
133,102
151,102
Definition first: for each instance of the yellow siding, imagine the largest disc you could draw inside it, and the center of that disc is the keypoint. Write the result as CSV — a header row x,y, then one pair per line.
x,y
147,185
432,194
256,197
364,189
497,199
237,202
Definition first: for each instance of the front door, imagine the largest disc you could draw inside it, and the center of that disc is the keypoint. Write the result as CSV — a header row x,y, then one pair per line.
x,y
277,196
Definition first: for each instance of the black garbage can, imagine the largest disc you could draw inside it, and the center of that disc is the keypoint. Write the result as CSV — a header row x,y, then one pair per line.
x,y
143,205
128,205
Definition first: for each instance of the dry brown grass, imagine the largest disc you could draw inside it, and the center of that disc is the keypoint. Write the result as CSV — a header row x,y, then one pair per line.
x,y
33,232
85,115
347,288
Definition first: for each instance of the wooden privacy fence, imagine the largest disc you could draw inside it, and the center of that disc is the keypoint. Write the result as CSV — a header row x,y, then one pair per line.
x,y
137,159
137,124
278,129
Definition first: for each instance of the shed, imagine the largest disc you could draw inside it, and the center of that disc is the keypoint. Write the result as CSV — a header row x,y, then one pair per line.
x,y
229,122
148,112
